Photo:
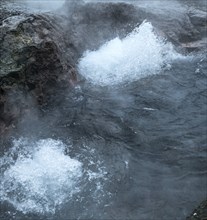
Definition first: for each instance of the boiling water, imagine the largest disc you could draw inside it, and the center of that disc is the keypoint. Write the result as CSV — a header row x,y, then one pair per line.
x,y
138,55
39,177
137,149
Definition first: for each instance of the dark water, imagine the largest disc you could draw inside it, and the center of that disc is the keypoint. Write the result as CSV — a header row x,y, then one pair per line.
x,y
165,147
151,138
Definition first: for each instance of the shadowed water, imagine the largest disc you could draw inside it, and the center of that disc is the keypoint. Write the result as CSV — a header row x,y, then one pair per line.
x,y
134,148
150,136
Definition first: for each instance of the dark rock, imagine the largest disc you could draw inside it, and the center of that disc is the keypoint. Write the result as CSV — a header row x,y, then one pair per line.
x,y
196,45
95,23
199,213
199,19
34,60
91,25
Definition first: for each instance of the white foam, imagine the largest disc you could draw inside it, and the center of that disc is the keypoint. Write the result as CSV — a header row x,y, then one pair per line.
x,y
140,54
41,178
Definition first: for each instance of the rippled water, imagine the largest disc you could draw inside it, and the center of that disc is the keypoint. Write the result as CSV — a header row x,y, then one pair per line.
x,y
124,145
145,141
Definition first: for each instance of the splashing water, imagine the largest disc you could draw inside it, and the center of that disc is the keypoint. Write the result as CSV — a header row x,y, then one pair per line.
x,y
41,178
140,54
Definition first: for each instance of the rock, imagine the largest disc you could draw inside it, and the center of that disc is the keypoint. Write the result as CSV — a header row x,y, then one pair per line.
x,y
196,45
92,24
199,19
199,213
34,60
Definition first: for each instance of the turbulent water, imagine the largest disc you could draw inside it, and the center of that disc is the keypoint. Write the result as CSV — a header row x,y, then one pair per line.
x,y
120,61
41,177
128,144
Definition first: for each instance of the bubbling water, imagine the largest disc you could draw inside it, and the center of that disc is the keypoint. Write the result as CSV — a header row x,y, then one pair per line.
x,y
140,54
41,178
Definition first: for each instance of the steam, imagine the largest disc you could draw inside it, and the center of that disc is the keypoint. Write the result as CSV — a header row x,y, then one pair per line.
x,y
44,5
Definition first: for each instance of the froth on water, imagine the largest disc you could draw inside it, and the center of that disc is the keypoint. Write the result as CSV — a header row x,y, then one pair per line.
x,y
39,176
140,54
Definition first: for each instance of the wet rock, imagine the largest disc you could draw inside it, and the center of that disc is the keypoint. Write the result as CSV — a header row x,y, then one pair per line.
x,y
34,60
199,20
196,45
199,213
198,17
91,25
95,23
